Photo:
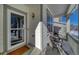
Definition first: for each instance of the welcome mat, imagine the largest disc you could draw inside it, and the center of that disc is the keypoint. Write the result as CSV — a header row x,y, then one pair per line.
x,y
19,51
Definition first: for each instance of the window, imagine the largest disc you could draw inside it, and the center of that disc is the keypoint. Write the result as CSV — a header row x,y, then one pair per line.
x,y
74,22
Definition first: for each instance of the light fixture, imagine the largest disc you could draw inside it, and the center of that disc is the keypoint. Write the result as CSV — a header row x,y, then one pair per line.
x,y
33,15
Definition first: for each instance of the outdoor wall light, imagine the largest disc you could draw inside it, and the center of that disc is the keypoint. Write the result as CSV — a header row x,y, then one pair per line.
x,y
33,15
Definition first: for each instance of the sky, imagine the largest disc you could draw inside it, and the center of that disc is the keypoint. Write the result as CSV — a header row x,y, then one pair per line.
x,y
63,19
74,18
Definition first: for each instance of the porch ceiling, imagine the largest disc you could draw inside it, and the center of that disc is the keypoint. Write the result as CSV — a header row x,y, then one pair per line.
x,y
58,9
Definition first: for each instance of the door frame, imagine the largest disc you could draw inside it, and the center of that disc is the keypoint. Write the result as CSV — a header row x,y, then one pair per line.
x,y
5,23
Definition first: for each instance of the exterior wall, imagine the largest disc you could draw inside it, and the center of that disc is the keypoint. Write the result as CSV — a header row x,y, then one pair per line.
x,y
33,22
21,7
44,14
1,28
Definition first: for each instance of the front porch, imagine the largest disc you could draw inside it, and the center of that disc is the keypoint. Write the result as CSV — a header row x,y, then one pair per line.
x,y
38,30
